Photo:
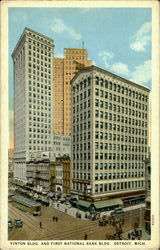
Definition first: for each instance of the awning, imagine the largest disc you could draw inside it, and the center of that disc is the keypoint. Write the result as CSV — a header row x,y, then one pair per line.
x,y
108,203
50,194
62,199
74,197
83,203
45,201
148,199
21,184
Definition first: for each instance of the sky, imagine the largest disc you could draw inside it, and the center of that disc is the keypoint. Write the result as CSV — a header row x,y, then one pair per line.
x,y
117,39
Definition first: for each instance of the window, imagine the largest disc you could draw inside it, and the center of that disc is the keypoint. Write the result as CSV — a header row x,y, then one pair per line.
x,y
97,92
106,84
97,103
101,93
110,85
96,188
97,80
97,113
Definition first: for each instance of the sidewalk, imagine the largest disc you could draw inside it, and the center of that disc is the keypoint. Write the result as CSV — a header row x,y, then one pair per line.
x,y
68,210
72,210
145,236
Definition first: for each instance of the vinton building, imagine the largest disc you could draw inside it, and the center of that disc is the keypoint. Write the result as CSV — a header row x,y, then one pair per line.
x,y
109,135
33,98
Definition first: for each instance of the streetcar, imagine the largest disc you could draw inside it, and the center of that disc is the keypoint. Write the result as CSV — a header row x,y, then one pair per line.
x,y
26,204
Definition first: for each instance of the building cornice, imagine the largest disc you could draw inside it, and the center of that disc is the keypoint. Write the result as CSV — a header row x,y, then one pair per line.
x,y
92,68
24,33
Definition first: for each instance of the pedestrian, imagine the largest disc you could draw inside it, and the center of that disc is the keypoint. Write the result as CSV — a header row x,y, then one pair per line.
x,y
40,224
53,218
85,236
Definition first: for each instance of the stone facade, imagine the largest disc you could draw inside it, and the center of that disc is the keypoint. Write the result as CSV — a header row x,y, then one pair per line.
x,y
109,135
33,98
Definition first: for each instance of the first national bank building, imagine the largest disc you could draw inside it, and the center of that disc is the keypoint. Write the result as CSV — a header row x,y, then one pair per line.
x,y
109,135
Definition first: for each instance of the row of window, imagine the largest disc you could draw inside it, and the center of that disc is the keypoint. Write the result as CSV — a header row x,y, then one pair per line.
x,y
40,68
101,135
120,89
39,142
82,106
84,176
39,107
110,146
39,79
119,109
39,38
86,83
112,126
114,107
39,73
39,113
110,166
119,175
40,96
38,136
82,96
118,186
39,148
35,100
111,186
39,130
122,138
42,51
45,58
38,61
109,156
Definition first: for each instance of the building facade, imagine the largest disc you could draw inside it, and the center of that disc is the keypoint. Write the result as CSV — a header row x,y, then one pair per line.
x,y
33,98
66,174
39,175
64,70
109,135
10,164
147,216
61,145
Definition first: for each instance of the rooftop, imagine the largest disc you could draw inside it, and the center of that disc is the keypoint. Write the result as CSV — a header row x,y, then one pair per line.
x,y
92,68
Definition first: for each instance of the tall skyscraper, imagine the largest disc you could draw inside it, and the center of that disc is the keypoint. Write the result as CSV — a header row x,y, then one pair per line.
x,y
109,135
33,98
64,70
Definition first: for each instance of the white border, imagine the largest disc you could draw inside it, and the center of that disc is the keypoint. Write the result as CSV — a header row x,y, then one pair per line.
x,y
154,243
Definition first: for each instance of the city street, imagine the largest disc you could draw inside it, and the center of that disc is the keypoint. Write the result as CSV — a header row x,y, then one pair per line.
x,y
67,227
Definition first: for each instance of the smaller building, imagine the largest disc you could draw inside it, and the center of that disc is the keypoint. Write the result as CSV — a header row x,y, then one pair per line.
x,y
66,161
147,217
10,164
59,177
39,176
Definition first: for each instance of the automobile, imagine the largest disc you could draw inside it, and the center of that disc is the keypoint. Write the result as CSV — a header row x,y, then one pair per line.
x,y
10,224
18,223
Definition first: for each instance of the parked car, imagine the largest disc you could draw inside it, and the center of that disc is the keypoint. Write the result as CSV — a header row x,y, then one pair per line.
x,y
10,224
18,223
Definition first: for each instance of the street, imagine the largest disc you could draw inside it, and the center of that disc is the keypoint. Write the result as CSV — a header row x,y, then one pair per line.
x,y
67,227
